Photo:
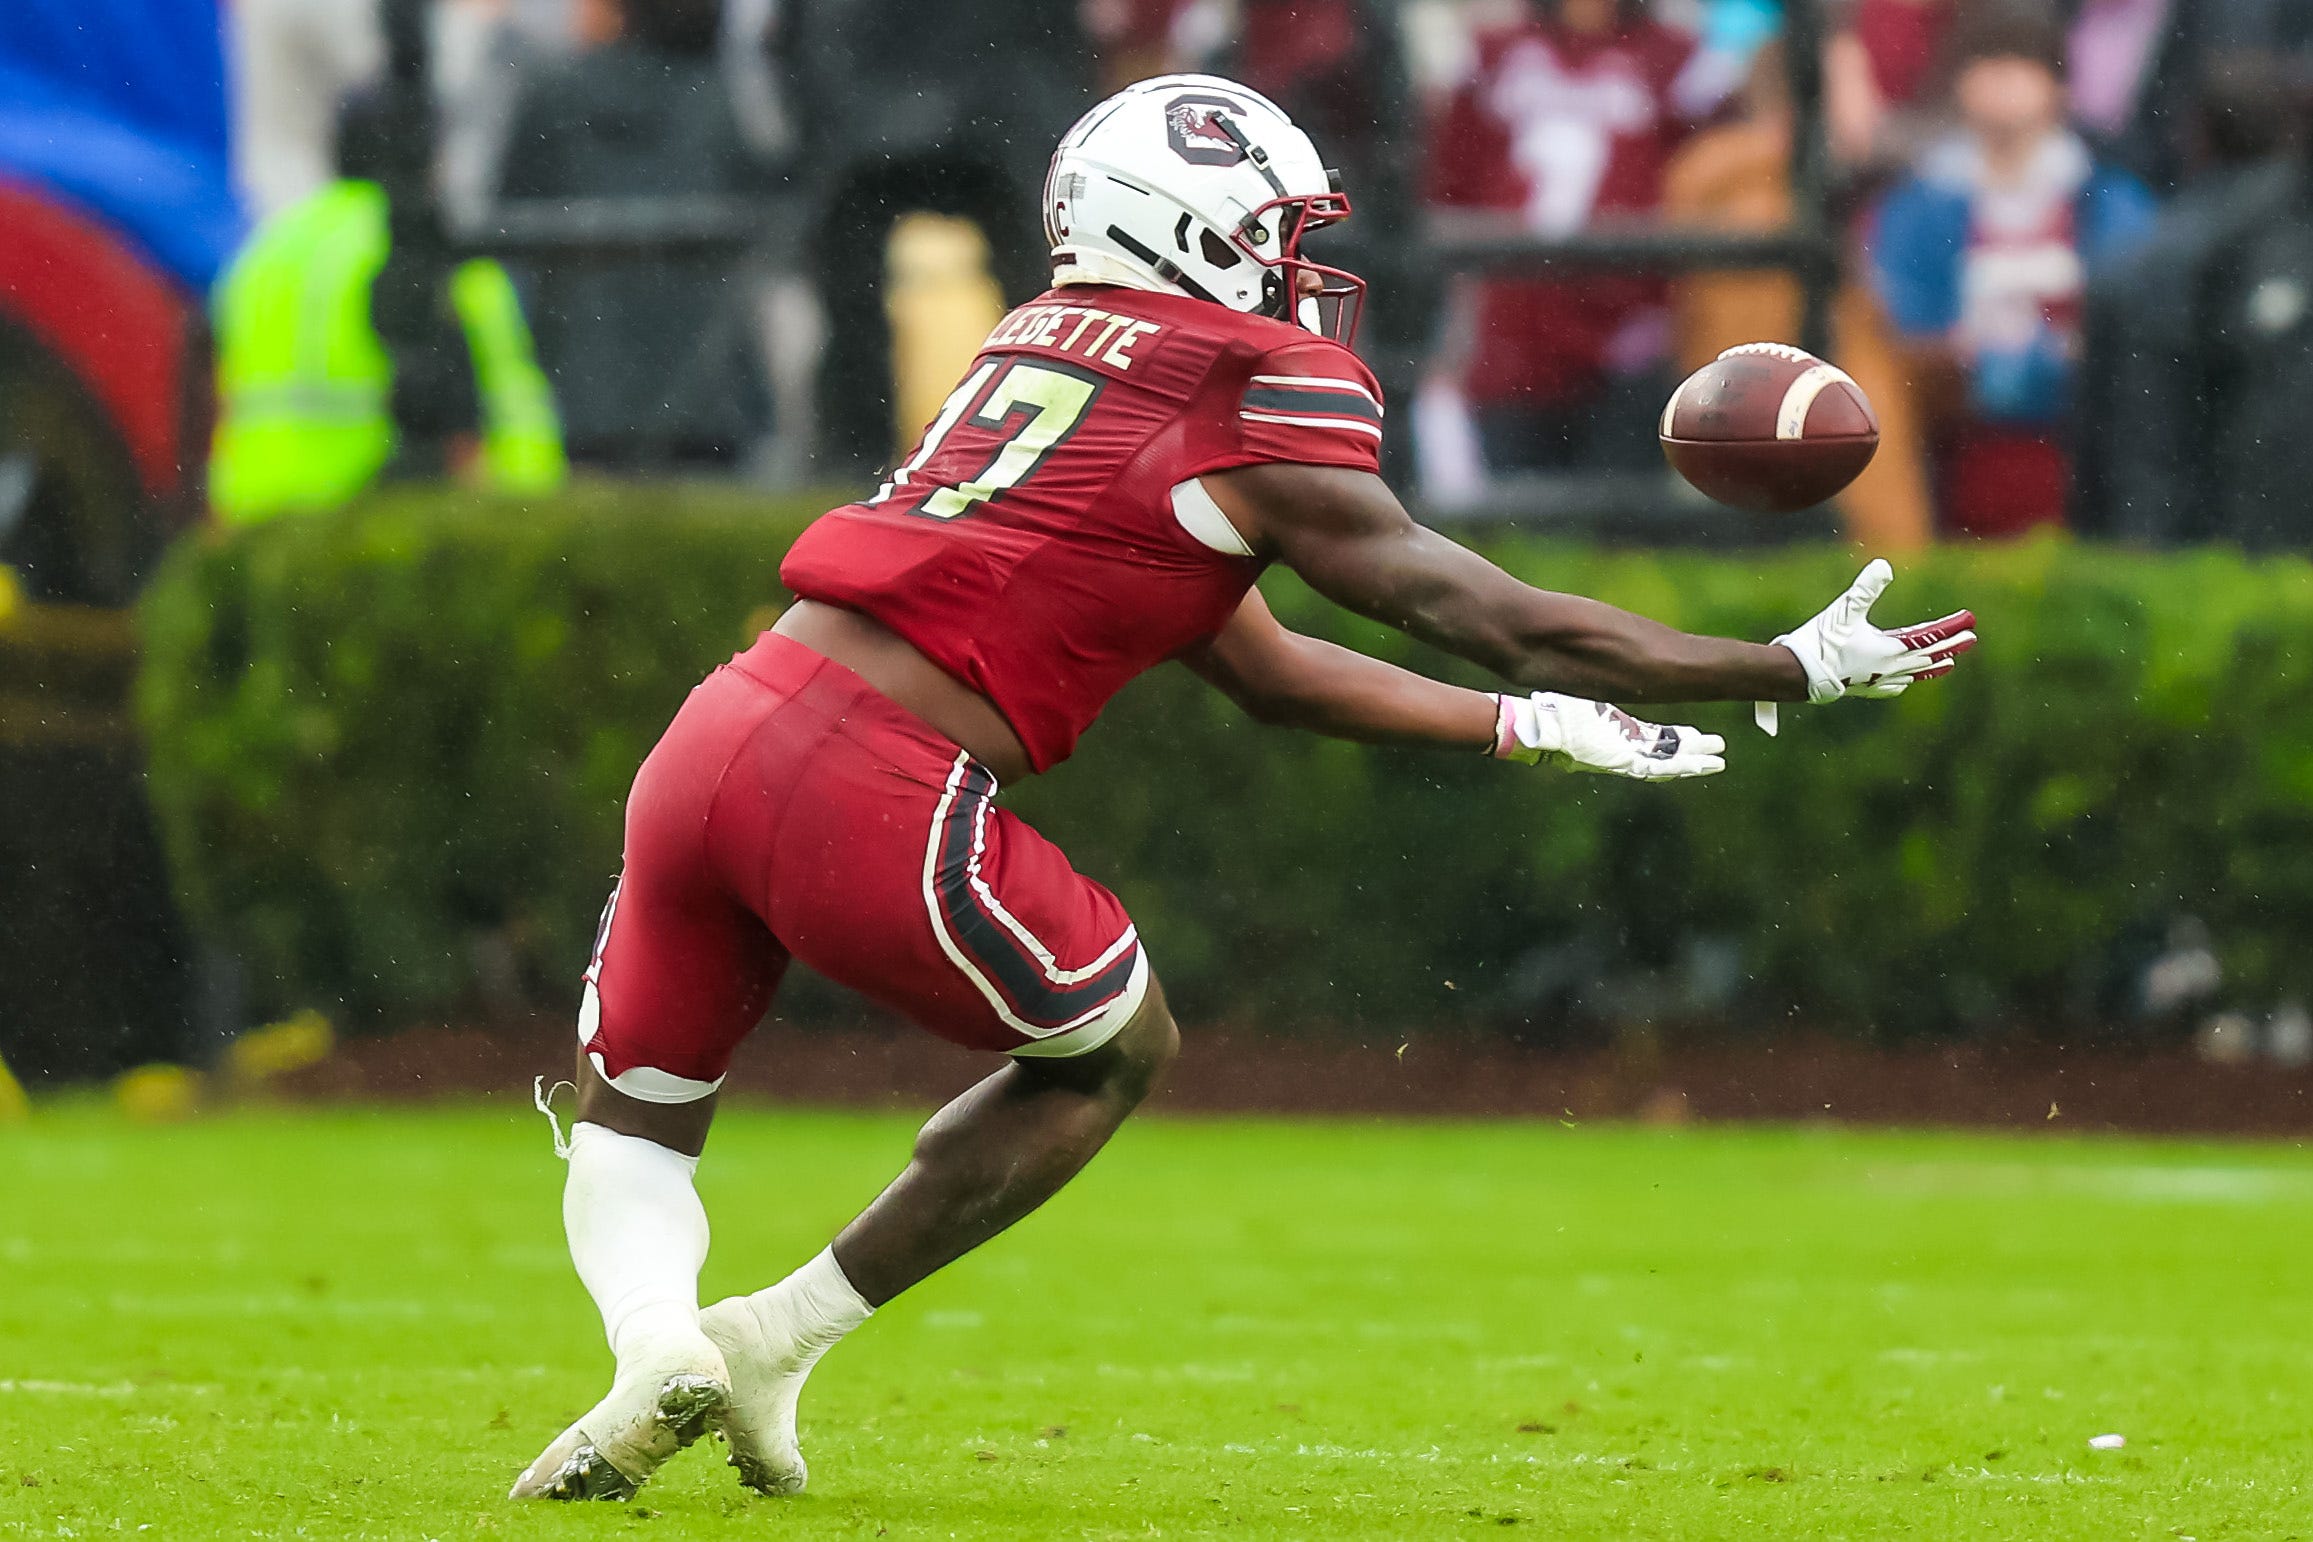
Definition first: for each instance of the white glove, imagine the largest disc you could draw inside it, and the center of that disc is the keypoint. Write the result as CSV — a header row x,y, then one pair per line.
x,y
1592,736
1842,651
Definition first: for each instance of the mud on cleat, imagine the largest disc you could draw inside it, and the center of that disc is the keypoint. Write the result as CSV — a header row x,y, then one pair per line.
x,y
615,1447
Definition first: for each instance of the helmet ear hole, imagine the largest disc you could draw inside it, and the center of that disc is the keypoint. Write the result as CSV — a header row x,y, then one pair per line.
x,y
1219,252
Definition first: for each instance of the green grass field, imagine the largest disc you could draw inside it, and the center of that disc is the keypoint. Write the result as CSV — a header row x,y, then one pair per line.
x,y
361,1325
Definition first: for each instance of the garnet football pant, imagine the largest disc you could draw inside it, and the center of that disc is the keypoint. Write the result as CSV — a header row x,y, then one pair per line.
x,y
791,811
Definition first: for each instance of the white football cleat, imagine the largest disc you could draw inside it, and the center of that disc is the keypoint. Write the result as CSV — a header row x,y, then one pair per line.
x,y
767,1370
652,1412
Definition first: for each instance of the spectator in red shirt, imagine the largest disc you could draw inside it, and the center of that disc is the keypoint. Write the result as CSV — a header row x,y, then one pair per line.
x,y
1562,122
1879,81
1903,39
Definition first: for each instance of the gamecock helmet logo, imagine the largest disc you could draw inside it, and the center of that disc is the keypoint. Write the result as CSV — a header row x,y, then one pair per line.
x,y
1193,124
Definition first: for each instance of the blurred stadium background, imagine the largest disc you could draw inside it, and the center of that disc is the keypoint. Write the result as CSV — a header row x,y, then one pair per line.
x,y
402,401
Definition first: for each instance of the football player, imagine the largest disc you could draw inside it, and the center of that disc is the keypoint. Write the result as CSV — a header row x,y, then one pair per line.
x,y
1124,457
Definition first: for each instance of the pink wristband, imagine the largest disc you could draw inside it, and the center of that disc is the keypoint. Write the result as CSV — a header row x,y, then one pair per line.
x,y
1505,728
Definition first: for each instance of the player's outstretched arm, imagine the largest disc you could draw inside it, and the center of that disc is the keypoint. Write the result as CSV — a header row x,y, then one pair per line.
x,y
1287,680
1346,534
1281,677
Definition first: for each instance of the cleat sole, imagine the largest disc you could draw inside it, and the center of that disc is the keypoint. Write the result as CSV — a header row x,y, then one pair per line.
x,y
589,1475
688,1406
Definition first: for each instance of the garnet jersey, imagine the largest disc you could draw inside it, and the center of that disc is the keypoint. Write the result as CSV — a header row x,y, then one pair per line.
x,y
1042,543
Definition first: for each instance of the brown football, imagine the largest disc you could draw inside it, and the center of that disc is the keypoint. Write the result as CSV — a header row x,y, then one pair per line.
x,y
1769,428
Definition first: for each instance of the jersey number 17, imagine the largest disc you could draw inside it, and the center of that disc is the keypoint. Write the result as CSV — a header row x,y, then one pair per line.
x,y
1027,413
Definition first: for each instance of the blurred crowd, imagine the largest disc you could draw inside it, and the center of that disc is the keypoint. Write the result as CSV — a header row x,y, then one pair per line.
x,y
2080,247
2045,289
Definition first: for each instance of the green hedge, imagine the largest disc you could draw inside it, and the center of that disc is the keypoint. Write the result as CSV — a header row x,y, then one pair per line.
x,y
379,737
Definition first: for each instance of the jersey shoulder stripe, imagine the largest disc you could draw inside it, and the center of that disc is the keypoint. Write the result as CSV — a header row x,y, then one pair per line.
x,y
1320,383
1350,404
1351,424
1292,398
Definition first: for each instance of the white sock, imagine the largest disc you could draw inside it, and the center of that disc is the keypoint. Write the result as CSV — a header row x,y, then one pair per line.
x,y
816,1303
638,1235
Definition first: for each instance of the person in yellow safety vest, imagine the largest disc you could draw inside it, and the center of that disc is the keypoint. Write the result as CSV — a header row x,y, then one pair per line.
x,y
305,384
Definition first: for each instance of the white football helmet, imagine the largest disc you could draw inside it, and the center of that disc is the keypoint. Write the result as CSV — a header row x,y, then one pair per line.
x,y
1199,186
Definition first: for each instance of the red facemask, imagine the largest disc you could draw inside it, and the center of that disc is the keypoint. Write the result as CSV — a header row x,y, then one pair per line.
x,y
1340,295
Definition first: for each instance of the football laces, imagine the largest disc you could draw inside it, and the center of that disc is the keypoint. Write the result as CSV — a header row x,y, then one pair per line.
x,y
1772,350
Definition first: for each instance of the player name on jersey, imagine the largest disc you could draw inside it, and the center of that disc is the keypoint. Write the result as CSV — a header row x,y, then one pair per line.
x,y
1081,330
1034,546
